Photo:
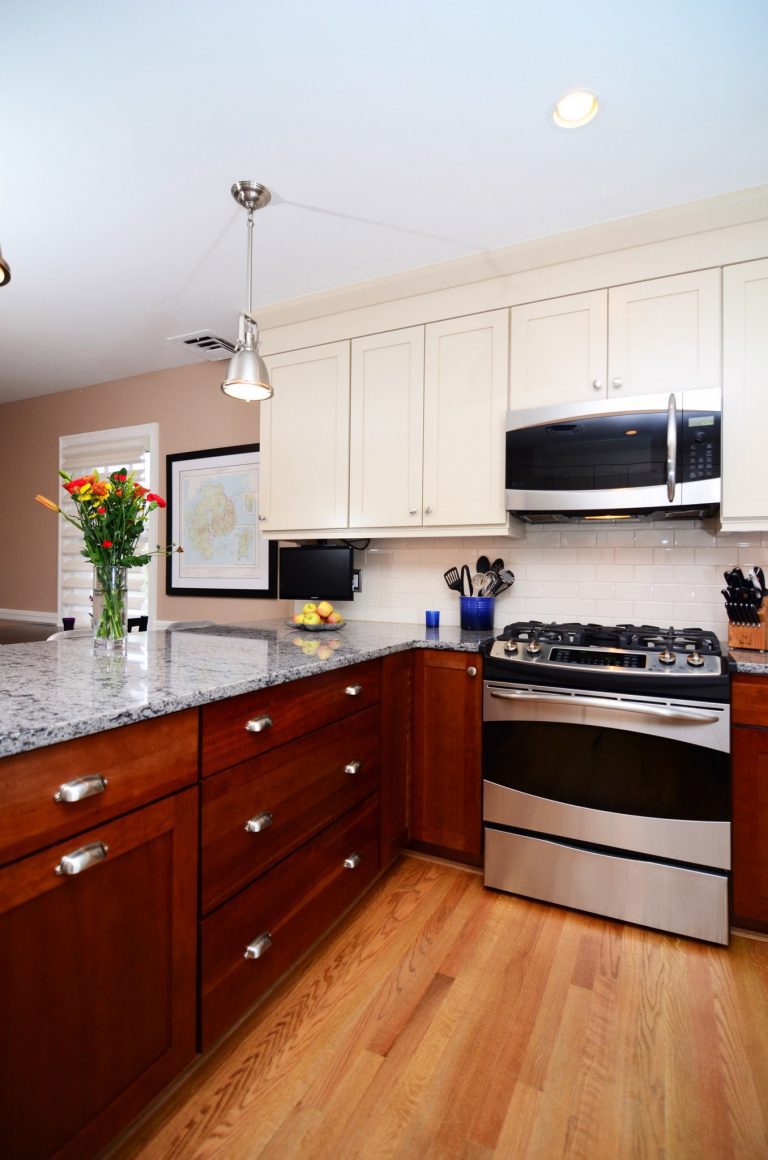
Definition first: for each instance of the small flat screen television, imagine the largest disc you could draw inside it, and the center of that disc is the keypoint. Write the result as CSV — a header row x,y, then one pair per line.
x,y
315,571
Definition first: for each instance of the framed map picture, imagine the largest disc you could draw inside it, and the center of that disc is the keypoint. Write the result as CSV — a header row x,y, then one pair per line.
x,y
213,513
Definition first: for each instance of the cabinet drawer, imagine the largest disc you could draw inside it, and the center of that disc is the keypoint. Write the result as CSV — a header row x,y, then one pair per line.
x,y
290,793
283,713
294,903
749,700
138,763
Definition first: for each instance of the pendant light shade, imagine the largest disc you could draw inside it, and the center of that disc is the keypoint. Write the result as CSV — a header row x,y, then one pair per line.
x,y
247,376
5,271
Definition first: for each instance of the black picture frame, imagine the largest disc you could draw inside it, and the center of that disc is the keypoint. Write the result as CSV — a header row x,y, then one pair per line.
x,y
204,568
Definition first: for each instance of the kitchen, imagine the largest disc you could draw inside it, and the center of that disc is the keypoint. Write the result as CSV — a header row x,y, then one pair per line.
x,y
659,573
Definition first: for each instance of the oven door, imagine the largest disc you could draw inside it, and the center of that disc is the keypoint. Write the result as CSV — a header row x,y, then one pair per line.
x,y
644,775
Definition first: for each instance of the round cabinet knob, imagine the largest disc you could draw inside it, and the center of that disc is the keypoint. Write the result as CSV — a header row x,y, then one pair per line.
x,y
597,385
428,511
412,511
352,862
262,517
352,767
471,671
617,384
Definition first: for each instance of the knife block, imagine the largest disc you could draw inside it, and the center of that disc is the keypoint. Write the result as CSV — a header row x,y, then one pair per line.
x,y
751,636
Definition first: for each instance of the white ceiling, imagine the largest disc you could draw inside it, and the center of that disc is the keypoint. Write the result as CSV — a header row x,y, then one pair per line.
x,y
416,131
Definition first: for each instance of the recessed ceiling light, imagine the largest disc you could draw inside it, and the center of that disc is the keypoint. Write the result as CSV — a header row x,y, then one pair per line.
x,y
575,109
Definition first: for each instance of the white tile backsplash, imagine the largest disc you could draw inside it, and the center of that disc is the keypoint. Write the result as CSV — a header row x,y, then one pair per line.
x,y
657,575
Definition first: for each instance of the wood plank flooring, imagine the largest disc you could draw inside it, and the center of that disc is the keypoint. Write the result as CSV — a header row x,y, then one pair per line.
x,y
444,1021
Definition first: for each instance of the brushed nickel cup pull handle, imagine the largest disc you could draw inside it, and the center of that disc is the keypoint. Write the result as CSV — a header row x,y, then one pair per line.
x,y
81,859
258,724
81,787
259,822
352,767
259,946
352,862
353,690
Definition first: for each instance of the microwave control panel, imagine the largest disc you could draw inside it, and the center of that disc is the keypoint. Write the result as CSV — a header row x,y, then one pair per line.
x,y
701,445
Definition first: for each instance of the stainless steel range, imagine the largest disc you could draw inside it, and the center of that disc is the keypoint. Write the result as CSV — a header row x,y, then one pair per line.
x,y
607,772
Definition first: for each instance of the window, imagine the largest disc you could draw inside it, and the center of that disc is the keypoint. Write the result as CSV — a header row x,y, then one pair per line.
x,y
136,449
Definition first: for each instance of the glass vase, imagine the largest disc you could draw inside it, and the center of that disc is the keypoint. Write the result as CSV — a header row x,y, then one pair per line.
x,y
110,609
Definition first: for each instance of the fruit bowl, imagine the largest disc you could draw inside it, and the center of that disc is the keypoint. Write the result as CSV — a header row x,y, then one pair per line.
x,y
321,627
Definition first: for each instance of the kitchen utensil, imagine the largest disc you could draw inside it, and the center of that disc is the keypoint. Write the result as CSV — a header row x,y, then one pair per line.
x,y
453,579
466,581
487,584
760,577
483,564
507,576
497,565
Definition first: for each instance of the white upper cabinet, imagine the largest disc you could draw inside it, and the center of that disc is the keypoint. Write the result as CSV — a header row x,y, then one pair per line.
x,y
304,435
664,334
386,429
745,396
558,350
465,400
642,338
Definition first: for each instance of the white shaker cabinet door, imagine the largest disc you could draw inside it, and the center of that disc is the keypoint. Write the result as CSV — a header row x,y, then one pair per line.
x,y
304,435
465,400
558,350
664,334
386,429
745,396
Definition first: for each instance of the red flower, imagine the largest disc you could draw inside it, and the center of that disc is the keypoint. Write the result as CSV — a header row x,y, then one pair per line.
x,y
139,490
118,491
100,511
158,499
106,543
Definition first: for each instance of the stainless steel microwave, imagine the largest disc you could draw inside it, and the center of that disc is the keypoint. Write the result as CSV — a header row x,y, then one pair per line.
x,y
653,456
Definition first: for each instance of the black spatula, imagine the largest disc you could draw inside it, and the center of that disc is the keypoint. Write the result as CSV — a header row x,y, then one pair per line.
x,y
453,579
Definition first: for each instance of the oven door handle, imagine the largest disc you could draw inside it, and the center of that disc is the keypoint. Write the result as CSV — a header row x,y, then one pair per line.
x,y
695,716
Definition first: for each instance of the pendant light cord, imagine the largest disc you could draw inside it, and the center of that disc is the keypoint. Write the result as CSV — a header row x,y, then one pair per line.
x,y
249,289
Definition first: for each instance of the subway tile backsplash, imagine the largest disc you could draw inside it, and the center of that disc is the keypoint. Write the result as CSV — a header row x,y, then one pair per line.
x,y
649,574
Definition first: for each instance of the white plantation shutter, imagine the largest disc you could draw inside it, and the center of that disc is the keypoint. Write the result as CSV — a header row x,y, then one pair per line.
x,y
134,448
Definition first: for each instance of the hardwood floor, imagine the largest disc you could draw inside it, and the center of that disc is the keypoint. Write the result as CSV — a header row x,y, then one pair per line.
x,y
443,1020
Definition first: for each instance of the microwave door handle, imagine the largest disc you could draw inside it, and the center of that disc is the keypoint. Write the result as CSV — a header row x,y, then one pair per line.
x,y
693,715
671,448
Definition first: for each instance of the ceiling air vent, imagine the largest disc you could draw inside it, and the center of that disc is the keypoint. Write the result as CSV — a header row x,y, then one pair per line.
x,y
206,345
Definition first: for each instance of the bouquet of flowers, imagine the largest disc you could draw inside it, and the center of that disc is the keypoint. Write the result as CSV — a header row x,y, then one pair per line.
x,y
111,514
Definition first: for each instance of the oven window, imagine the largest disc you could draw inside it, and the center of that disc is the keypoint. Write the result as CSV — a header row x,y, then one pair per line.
x,y
609,769
590,454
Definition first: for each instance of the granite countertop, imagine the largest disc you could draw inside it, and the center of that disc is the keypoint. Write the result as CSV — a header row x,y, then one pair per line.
x,y
747,660
53,691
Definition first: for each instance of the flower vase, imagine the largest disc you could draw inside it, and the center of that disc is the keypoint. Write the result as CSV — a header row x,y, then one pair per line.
x,y
110,609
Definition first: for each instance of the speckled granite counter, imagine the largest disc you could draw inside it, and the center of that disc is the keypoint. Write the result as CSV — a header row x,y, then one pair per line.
x,y
744,660
55,690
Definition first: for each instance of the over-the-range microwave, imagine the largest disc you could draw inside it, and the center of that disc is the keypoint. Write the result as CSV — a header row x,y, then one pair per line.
x,y
652,456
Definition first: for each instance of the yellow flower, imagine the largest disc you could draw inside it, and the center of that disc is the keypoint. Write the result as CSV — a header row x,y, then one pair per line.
x,y
54,507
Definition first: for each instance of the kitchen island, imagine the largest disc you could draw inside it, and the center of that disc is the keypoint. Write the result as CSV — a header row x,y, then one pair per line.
x,y
53,691
180,825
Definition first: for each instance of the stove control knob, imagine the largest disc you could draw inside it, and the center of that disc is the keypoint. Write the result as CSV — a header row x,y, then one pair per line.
x,y
667,657
510,646
695,660
533,648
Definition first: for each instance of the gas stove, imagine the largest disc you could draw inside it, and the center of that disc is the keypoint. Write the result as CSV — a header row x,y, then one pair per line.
x,y
624,656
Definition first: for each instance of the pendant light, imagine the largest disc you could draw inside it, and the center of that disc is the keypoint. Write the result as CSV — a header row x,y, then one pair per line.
x,y
247,376
5,271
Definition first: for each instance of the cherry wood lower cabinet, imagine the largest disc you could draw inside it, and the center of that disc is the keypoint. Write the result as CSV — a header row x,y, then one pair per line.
x,y
749,772
97,980
447,776
396,753
253,940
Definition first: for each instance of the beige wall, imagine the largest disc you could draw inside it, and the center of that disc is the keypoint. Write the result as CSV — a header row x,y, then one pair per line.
x,y
192,415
